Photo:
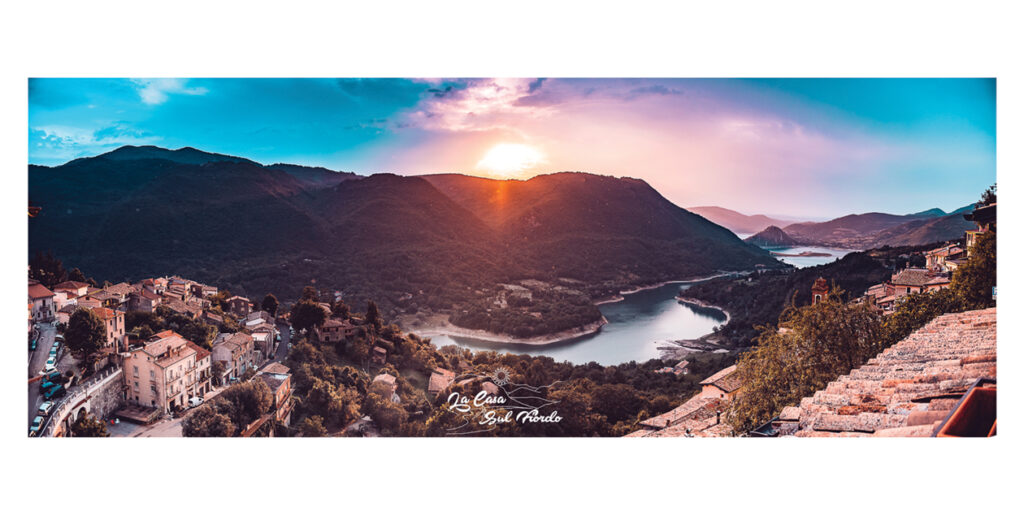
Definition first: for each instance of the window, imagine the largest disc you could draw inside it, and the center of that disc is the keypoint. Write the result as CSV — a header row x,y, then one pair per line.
x,y
136,386
152,375
135,372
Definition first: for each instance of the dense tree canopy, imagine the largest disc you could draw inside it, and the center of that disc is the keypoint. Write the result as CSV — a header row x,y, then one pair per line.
x,y
270,304
818,343
206,421
85,336
89,426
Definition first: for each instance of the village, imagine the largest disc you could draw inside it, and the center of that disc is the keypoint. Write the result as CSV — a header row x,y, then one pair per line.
x,y
918,387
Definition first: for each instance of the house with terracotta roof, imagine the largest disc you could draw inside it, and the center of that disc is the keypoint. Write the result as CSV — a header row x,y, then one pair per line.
x,y
164,373
721,385
915,280
940,258
238,353
238,305
75,288
113,326
277,378
41,299
263,336
440,379
335,330
143,300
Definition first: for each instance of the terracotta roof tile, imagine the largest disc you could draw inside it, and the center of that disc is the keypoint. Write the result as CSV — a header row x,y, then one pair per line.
x,y
907,389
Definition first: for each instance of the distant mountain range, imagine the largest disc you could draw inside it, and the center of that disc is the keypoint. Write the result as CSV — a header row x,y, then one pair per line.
x,y
863,231
738,222
872,230
407,242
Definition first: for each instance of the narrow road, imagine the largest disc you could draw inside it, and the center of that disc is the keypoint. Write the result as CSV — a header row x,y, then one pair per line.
x,y
36,363
282,348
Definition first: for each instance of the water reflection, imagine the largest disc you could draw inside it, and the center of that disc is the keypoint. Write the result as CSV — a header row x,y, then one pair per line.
x,y
636,326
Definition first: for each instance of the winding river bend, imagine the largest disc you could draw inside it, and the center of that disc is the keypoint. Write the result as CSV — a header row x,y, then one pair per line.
x,y
636,326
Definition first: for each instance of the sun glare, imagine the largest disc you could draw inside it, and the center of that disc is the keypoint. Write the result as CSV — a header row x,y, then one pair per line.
x,y
510,160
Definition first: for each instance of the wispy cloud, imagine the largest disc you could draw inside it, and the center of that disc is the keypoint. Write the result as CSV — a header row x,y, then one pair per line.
x,y
61,142
156,91
484,104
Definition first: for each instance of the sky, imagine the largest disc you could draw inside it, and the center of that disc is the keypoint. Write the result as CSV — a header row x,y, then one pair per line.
x,y
814,148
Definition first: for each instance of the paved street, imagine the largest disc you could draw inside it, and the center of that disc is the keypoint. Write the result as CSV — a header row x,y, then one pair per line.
x,y
36,362
282,349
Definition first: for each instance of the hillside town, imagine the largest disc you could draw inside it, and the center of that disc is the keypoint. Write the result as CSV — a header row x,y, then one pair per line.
x,y
137,382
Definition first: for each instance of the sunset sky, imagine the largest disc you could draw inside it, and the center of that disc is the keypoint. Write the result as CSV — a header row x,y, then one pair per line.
x,y
797,147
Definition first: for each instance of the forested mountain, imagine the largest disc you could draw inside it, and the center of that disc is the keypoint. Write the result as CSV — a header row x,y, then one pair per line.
x,y
870,230
407,242
736,221
772,236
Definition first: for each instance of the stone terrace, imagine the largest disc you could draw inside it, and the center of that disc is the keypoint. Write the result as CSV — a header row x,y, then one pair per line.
x,y
908,389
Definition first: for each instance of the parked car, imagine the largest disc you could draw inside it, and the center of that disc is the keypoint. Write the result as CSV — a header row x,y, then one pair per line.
x,y
54,392
54,377
195,401
32,344
59,337
45,408
54,350
51,363
37,426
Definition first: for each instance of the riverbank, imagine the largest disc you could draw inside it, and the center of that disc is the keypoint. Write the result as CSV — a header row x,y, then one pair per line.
x,y
680,348
619,297
438,325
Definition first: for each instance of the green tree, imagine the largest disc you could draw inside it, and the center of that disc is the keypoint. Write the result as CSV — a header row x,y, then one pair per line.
x,y
89,426
270,304
206,421
341,309
45,268
76,275
973,282
246,402
313,427
309,293
85,336
823,341
373,315
217,370
307,314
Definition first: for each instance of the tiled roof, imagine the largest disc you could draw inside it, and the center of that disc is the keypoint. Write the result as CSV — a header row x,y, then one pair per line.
x,y
698,417
71,285
105,313
439,380
275,368
913,277
386,378
724,379
200,351
909,388
36,291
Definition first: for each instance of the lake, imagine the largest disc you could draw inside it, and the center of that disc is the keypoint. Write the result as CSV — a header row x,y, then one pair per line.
x,y
803,261
807,261
636,326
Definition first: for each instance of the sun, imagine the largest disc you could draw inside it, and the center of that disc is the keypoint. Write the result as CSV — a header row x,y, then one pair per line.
x,y
510,160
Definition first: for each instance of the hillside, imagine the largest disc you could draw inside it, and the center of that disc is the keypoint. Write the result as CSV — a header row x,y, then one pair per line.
x,y
870,230
772,236
737,222
605,222
409,243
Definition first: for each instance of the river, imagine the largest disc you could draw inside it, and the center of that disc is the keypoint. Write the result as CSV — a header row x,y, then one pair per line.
x,y
636,326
